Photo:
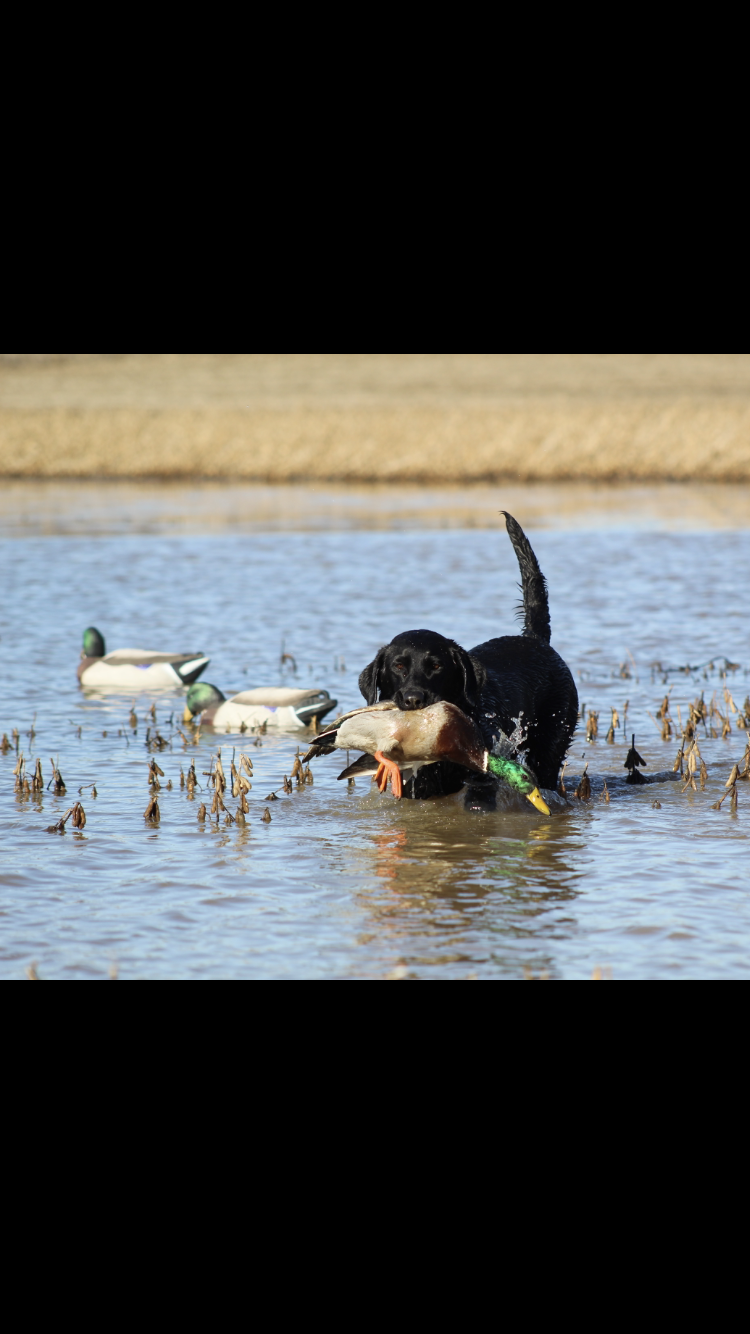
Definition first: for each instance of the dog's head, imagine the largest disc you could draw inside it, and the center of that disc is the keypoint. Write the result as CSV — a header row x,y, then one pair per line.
x,y
420,668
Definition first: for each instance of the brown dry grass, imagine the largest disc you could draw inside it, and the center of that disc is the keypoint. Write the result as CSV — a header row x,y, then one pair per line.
x,y
381,417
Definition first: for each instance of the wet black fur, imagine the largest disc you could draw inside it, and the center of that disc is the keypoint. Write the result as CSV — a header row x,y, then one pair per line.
x,y
515,676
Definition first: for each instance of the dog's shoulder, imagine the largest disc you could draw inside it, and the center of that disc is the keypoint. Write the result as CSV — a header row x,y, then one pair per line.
x,y
512,652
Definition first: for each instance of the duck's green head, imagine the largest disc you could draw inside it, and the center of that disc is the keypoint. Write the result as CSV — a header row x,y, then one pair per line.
x,y
93,644
519,779
199,697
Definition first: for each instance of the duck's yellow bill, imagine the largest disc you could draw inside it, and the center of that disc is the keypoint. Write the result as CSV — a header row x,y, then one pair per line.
x,y
537,800
187,716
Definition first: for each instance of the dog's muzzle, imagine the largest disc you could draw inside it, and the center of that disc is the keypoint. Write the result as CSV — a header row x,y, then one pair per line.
x,y
412,698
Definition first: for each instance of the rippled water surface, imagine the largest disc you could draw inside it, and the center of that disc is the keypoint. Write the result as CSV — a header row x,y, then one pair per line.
x,y
343,882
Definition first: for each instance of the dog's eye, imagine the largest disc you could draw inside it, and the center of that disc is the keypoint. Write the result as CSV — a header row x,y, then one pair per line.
x,y
433,667
399,667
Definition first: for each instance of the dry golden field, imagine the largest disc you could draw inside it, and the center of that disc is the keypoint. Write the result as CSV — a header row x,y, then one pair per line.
x,y
380,417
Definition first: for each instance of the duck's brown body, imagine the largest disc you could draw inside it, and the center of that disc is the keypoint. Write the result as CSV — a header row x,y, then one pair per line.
x,y
407,739
421,736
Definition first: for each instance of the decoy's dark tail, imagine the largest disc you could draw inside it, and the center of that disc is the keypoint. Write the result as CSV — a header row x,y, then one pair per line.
x,y
535,606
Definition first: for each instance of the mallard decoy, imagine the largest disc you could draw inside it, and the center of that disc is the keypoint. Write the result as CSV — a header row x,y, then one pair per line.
x,y
394,741
135,668
277,706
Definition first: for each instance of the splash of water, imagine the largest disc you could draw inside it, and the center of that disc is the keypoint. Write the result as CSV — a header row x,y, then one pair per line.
x,y
511,747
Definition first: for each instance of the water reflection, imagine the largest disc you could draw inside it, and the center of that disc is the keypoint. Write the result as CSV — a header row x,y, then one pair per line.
x,y
436,873
87,508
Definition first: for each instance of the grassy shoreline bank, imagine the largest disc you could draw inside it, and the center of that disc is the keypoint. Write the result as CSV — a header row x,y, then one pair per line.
x,y
414,418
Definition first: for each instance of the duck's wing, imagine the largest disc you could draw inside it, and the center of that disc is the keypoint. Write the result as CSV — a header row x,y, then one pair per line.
x,y
324,744
385,706
362,767
326,741
188,666
367,766
280,697
132,657
307,704
316,750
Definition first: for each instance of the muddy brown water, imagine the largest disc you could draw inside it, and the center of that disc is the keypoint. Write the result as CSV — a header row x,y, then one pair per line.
x,y
344,882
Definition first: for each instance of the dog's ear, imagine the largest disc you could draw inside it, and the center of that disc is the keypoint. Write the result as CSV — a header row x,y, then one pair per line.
x,y
473,674
370,678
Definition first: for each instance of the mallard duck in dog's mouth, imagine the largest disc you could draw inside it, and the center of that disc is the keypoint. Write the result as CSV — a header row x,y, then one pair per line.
x,y
398,743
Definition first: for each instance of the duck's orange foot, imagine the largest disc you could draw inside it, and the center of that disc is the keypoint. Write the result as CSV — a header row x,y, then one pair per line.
x,y
388,769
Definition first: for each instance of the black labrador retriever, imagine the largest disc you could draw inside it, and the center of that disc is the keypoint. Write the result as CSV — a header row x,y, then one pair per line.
x,y
516,683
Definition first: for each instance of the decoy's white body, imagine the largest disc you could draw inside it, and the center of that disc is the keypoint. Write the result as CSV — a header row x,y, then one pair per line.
x,y
277,706
141,669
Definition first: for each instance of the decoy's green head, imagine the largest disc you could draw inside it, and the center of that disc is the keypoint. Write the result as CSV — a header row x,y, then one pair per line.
x,y
93,644
201,696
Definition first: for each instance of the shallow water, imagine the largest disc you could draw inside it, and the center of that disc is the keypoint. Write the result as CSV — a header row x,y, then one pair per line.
x,y
344,882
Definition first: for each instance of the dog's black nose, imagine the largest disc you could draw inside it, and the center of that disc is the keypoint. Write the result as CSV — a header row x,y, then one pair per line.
x,y
413,699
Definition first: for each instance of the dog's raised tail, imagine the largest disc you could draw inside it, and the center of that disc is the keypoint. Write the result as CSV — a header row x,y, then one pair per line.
x,y
535,606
